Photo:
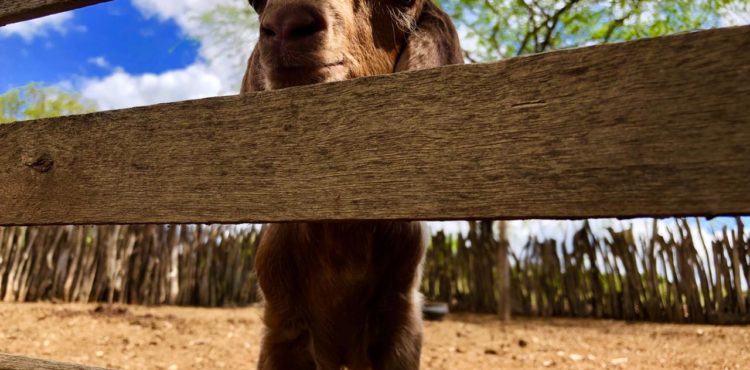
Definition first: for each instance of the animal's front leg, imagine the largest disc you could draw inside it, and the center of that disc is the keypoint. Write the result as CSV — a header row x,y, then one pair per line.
x,y
283,349
398,342
326,353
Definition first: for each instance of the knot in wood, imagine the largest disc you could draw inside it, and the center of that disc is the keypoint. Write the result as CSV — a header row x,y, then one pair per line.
x,y
41,164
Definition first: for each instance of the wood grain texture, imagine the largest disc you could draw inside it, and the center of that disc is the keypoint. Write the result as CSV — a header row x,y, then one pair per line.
x,y
12,11
8,362
654,127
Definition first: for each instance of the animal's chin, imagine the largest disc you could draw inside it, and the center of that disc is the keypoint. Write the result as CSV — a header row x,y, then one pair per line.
x,y
283,77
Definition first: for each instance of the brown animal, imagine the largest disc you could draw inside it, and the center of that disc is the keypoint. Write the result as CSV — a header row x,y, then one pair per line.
x,y
343,295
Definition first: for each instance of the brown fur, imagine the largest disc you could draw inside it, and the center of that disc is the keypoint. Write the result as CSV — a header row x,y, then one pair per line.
x,y
344,295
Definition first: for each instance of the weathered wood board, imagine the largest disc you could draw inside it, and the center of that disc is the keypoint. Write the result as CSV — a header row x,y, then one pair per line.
x,y
653,127
9,362
12,11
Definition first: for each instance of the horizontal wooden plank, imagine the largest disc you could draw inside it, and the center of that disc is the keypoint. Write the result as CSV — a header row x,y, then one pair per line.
x,y
12,11
8,362
654,127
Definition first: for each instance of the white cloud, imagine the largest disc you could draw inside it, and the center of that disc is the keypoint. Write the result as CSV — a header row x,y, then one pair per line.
x,y
39,27
100,62
122,90
218,70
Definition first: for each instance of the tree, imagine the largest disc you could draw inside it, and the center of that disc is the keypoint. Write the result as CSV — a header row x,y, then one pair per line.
x,y
35,101
227,36
496,29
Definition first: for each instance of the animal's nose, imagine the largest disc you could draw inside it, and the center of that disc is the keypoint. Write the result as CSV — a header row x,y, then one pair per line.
x,y
293,23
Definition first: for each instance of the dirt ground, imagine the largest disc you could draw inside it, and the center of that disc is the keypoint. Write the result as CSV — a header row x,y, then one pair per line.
x,y
192,338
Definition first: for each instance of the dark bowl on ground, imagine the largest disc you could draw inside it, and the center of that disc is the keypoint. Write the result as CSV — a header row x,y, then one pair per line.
x,y
434,311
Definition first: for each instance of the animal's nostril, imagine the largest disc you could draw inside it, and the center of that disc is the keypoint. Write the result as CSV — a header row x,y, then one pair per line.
x,y
300,31
302,24
294,23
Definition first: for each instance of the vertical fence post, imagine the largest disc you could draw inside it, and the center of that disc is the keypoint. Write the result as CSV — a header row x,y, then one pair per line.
x,y
503,274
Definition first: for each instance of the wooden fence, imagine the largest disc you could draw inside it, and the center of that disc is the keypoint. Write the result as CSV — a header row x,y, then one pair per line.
x,y
136,264
12,11
653,127
664,278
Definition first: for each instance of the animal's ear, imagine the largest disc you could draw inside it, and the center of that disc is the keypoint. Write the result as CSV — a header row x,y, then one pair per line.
x,y
433,43
253,80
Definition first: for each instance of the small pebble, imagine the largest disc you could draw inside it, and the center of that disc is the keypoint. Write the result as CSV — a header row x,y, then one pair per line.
x,y
619,361
576,357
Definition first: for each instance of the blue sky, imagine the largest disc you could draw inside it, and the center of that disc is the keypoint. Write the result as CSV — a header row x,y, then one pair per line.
x,y
128,52
117,32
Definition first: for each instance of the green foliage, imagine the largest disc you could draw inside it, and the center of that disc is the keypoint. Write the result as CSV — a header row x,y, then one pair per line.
x,y
35,101
223,19
228,35
506,28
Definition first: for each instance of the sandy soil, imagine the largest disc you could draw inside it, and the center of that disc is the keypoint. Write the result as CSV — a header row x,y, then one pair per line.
x,y
190,338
